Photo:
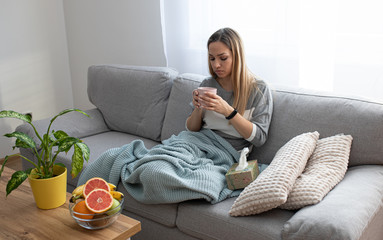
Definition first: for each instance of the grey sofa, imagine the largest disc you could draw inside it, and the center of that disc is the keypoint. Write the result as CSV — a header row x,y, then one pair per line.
x,y
152,103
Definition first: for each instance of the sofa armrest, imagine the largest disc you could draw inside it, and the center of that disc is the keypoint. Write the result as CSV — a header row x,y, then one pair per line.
x,y
345,212
74,124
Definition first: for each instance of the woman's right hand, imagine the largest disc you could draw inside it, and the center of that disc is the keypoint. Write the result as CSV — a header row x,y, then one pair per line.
x,y
194,121
196,99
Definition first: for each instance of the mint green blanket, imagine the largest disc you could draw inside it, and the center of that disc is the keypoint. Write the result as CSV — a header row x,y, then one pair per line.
x,y
191,165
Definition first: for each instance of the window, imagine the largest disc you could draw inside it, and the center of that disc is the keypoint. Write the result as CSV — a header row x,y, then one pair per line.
x,y
330,45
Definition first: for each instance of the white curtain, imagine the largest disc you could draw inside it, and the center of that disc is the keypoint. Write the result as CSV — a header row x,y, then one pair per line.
x,y
330,45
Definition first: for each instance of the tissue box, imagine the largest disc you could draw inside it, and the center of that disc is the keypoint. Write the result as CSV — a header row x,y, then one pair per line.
x,y
240,179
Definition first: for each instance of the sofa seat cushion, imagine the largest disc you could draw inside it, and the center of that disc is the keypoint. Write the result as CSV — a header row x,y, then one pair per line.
x,y
346,211
164,214
98,144
152,230
206,221
132,99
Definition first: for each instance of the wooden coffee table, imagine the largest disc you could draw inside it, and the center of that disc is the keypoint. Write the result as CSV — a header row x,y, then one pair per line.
x,y
21,219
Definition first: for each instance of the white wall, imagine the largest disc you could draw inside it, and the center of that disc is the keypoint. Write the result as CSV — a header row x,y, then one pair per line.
x,y
34,65
116,31
46,47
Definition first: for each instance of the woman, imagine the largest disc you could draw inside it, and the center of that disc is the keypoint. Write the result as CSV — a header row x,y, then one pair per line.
x,y
192,164
241,110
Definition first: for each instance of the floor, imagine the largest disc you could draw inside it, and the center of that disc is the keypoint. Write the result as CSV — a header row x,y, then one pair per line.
x,y
13,163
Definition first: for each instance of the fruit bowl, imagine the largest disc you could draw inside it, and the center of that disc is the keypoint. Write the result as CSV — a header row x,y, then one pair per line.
x,y
96,220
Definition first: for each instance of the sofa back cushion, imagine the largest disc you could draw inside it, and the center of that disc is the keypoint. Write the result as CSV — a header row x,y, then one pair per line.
x,y
132,99
299,110
179,106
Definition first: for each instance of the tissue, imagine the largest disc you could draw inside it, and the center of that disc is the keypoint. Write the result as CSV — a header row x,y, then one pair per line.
x,y
242,173
242,164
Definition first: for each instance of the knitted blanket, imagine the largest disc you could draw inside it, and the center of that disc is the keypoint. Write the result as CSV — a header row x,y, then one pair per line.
x,y
191,165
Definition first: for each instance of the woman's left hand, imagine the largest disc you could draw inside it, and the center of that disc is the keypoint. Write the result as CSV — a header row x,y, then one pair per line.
x,y
214,102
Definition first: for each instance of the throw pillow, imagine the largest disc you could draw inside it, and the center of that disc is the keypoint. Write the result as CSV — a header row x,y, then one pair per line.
x,y
271,188
325,169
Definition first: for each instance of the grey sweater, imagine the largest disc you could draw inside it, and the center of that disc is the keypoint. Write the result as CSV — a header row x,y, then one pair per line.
x,y
258,111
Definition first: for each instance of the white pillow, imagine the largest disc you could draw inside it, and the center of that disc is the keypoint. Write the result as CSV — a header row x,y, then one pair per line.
x,y
271,188
324,170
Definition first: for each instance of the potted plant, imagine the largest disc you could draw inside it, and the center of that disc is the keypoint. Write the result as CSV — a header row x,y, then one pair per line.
x,y
51,144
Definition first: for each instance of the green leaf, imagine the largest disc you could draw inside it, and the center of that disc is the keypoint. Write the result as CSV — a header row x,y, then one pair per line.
x,y
68,111
51,139
71,110
2,167
77,161
23,139
60,164
47,139
85,150
67,143
13,114
15,181
60,134
20,144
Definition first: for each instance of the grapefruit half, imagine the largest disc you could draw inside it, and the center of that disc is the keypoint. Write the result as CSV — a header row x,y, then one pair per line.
x,y
95,183
99,200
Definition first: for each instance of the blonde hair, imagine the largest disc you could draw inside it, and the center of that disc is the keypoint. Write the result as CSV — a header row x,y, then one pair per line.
x,y
243,80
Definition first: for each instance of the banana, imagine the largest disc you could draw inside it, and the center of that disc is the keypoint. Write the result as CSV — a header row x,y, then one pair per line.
x,y
77,193
117,195
112,186
78,190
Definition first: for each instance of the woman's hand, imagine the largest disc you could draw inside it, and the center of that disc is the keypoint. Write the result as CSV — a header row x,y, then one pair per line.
x,y
194,121
196,99
213,102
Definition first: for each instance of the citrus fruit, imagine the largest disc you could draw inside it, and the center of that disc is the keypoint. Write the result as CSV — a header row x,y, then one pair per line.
x,y
95,183
81,207
114,208
99,200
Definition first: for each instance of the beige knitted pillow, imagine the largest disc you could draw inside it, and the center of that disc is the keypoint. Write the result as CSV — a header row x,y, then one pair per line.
x,y
325,169
271,188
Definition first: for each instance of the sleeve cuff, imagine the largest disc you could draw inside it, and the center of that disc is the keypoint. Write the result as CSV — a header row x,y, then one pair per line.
x,y
253,132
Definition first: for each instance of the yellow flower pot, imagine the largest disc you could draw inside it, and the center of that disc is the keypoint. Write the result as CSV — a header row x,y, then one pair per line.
x,y
50,192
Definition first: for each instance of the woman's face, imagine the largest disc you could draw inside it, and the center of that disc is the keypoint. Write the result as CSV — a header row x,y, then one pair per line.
x,y
221,59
